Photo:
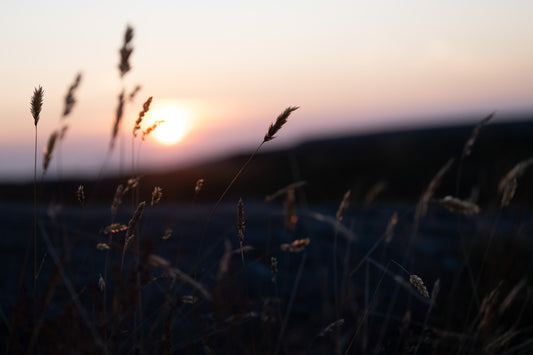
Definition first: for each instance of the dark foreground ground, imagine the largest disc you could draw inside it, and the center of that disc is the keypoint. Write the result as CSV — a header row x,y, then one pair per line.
x,y
344,289
483,263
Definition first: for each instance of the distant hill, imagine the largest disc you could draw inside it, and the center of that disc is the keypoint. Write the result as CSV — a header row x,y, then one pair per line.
x,y
404,160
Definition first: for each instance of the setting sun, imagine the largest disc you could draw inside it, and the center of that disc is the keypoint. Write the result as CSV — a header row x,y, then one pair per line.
x,y
174,125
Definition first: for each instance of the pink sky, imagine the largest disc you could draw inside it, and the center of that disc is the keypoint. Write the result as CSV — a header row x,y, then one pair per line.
x,y
351,67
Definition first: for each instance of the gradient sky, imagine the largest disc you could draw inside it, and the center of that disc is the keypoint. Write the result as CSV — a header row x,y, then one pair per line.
x,y
352,66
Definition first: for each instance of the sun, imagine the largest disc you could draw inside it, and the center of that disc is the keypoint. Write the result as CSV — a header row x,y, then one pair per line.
x,y
174,125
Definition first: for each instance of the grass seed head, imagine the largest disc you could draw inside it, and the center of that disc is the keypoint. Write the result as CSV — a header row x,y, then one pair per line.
x,y
467,149
70,100
509,183
296,246
115,228
142,113
151,128
274,268
125,52
118,118
389,232
102,246
417,282
135,219
454,204
36,104
280,121
101,283
117,200
240,220
344,205
199,186
49,150
373,193
80,193
156,195
168,234
190,299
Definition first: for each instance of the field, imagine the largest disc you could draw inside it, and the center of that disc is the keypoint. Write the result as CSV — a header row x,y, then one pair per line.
x,y
413,242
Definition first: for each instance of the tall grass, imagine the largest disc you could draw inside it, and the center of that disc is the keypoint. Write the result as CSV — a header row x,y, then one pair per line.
x,y
345,279
36,105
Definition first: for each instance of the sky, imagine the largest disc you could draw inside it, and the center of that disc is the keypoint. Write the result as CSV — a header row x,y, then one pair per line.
x,y
230,67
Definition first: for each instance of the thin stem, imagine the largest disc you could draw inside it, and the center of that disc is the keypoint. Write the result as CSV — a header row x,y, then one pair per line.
x,y
218,203
35,225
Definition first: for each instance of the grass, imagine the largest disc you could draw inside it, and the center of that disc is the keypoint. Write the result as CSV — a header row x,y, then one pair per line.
x,y
445,275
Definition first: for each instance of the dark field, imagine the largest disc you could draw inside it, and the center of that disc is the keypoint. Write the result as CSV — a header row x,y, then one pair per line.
x,y
191,293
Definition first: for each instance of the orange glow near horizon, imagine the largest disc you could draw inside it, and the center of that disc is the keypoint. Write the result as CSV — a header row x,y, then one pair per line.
x,y
176,123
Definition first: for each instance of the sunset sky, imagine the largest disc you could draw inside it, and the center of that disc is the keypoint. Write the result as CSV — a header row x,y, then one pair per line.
x,y
230,67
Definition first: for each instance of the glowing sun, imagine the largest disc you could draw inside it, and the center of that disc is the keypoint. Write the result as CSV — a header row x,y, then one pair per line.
x,y
174,125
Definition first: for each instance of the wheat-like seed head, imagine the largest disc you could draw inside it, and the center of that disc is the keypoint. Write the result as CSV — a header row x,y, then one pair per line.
x,y
135,219
454,204
125,52
373,193
118,118
142,113
158,261
132,183
151,128
389,232
70,100
296,246
102,246
101,283
36,104
280,121
274,267
115,228
49,150
131,229
190,299
199,186
417,282
467,149
156,195
509,183
167,234
80,193
344,205
117,200
240,220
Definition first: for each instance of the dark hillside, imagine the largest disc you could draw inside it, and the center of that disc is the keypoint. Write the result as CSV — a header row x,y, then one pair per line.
x,y
404,160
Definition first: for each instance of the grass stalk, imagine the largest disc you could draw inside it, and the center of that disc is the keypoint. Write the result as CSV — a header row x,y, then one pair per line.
x,y
270,135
